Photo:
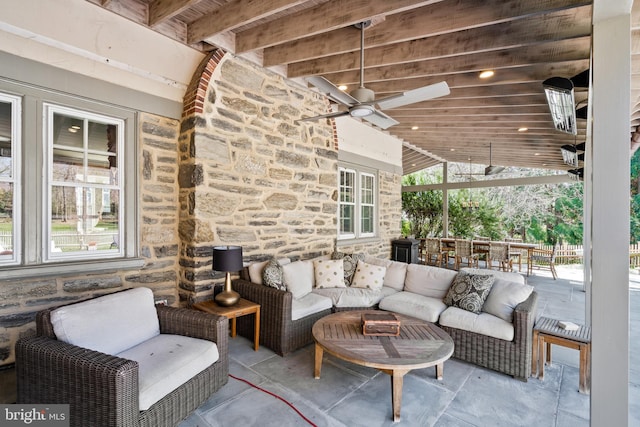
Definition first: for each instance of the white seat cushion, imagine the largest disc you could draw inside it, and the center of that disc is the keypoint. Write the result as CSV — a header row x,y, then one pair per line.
x,y
351,297
483,323
309,304
168,361
414,305
109,324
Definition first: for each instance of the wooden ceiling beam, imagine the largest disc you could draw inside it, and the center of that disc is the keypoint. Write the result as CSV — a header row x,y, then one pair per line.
x,y
524,118
559,51
319,19
523,74
522,32
444,17
234,14
163,10
456,113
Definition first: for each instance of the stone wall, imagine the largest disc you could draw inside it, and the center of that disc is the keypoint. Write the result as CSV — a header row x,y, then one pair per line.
x,y
250,175
21,299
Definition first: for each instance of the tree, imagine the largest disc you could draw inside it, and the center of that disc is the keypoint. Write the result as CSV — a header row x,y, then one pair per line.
x,y
423,209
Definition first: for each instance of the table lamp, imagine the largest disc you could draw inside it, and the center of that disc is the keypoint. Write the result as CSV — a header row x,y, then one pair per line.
x,y
227,259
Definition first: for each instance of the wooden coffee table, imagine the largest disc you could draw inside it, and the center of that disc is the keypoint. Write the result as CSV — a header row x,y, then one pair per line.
x,y
420,345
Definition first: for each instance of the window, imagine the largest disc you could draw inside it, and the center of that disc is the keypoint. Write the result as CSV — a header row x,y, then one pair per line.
x,y
357,204
10,107
68,183
83,183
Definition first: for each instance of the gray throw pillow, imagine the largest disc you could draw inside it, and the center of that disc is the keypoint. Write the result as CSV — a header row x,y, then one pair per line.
x,y
272,275
350,262
469,291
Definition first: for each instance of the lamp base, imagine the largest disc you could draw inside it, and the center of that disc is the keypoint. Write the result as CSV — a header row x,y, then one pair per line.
x,y
227,298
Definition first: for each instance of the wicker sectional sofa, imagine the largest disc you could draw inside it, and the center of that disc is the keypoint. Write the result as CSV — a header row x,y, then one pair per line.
x,y
423,287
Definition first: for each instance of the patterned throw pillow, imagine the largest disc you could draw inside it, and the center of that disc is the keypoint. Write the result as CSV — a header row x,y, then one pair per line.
x,y
350,262
469,291
329,273
368,276
272,275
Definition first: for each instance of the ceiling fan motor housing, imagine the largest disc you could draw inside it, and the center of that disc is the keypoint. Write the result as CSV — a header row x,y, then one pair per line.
x,y
363,94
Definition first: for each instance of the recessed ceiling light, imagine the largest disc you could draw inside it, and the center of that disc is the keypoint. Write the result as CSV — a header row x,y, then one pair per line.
x,y
76,127
486,74
73,130
452,149
342,87
415,127
413,164
523,129
536,154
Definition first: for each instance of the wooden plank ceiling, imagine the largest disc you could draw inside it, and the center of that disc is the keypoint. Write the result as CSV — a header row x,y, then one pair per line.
x,y
410,44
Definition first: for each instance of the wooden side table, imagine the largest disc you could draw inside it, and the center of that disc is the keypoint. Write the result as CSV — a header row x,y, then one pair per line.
x,y
242,308
546,331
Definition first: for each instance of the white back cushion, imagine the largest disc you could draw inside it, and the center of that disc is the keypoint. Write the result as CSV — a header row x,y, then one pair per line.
x,y
504,297
298,278
109,324
428,281
256,268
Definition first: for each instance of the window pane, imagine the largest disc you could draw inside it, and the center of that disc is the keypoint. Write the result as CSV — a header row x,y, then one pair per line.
x,y
84,219
6,161
99,171
67,166
347,186
367,190
346,219
68,131
367,219
6,218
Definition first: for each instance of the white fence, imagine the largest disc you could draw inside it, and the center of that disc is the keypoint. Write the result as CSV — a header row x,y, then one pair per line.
x,y
70,241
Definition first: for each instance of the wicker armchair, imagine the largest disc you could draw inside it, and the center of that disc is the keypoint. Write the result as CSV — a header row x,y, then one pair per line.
x,y
102,389
511,357
277,331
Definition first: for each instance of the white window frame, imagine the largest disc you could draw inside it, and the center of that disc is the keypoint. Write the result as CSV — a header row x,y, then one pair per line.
x,y
16,137
33,259
359,174
49,110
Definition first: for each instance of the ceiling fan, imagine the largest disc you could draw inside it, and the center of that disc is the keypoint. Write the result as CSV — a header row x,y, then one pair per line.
x,y
361,102
489,170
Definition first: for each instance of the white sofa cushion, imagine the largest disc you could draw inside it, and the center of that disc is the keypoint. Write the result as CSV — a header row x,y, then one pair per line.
x,y
414,305
428,281
168,361
395,274
368,276
483,323
351,297
311,303
298,278
109,324
328,273
256,268
504,297
505,275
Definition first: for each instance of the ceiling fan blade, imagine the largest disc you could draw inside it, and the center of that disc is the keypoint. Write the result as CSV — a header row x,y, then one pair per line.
x,y
415,95
323,116
381,120
328,88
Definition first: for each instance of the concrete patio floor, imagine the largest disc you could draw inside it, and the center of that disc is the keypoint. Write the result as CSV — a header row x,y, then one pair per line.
x,y
350,395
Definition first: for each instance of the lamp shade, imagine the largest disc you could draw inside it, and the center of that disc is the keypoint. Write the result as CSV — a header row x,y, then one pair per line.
x,y
227,258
